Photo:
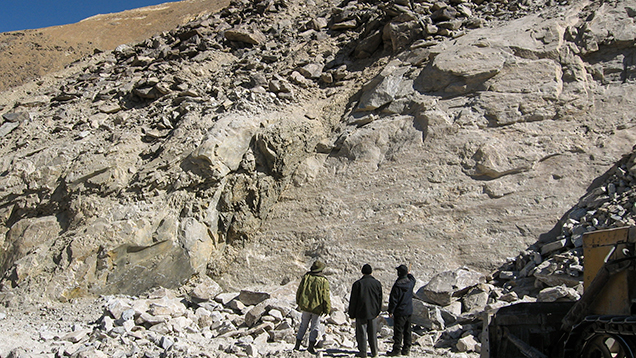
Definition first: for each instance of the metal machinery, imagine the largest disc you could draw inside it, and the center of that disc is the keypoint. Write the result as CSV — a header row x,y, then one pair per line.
x,y
602,324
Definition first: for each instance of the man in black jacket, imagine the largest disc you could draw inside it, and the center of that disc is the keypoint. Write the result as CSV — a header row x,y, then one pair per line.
x,y
365,304
401,309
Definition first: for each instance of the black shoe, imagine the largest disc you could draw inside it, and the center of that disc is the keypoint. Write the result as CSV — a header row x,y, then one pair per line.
x,y
311,349
393,353
405,353
297,346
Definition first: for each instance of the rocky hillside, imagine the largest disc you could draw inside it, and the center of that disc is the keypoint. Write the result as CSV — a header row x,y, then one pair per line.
x,y
443,135
29,54
478,136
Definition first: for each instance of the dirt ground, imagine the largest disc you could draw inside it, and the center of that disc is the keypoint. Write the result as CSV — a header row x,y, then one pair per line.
x,y
38,327
28,54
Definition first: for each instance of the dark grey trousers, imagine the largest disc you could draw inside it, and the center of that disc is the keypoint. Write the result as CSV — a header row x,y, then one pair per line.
x,y
367,329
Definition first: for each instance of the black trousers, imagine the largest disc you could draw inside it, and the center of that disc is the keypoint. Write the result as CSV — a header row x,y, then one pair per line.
x,y
402,330
367,329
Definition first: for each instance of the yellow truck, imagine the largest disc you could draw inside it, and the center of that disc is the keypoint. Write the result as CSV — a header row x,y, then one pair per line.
x,y
601,324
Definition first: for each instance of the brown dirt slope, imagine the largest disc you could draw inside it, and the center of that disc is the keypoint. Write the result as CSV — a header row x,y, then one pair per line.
x,y
26,55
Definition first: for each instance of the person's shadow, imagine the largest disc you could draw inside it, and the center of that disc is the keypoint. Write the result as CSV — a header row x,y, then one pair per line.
x,y
335,352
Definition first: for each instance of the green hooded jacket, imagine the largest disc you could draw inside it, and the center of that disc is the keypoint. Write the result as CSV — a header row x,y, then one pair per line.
x,y
313,294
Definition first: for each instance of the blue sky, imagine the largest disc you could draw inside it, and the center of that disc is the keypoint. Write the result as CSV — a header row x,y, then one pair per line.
x,y
33,14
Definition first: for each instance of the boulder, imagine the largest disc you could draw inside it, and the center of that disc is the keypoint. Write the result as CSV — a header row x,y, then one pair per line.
x,y
249,36
110,108
345,25
25,236
255,313
16,117
368,45
446,286
461,70
225,144
338,318
276,314
165,306
124,51
236,305
8,127
553,246
476,298
76,336
136,269
225,298
205,290
494,159
116,306
182,324
250,298
385,88
195,239
453,310
372,142
547,274
468,344
285,335
297,78
608,21
311,70
287,142
558,293
427,316
401,32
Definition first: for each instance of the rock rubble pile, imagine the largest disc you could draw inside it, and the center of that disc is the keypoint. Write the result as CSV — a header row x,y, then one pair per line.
x,y
200,320
554,268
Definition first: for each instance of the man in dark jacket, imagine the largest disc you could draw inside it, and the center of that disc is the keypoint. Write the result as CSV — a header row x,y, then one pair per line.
x,y
365,304
314,300
401,309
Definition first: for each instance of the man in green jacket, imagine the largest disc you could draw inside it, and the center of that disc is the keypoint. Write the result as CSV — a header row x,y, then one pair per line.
x,y
314,300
